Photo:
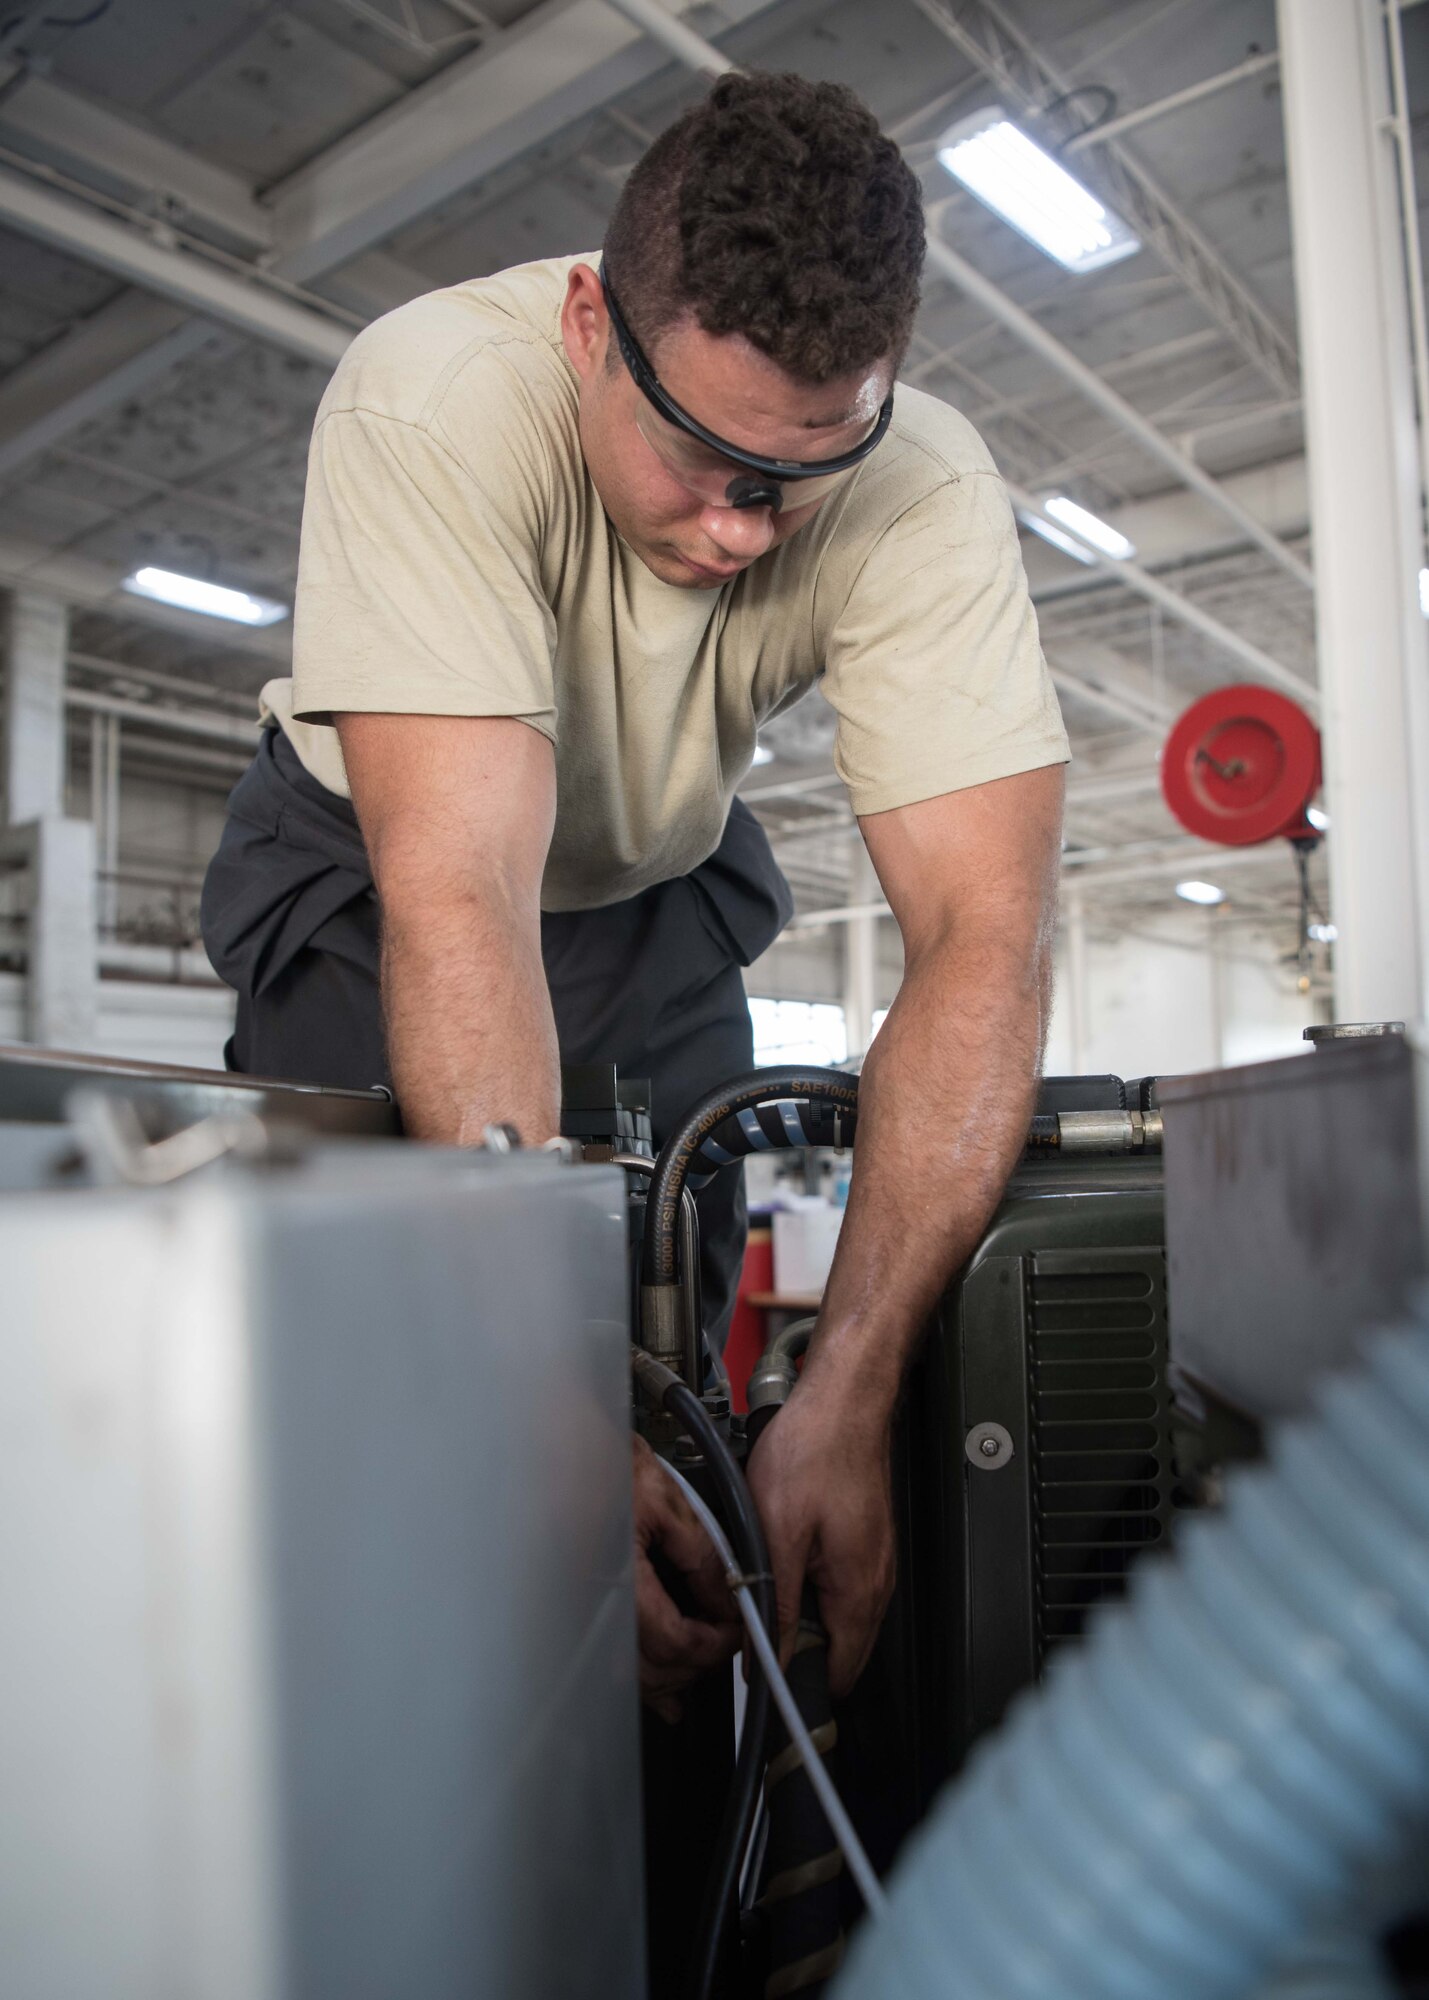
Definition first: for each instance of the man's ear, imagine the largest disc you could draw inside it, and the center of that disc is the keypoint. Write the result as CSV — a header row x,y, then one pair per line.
x,y
585,323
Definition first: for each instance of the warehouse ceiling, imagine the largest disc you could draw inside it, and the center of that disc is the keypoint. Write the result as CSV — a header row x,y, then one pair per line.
x,y
329,158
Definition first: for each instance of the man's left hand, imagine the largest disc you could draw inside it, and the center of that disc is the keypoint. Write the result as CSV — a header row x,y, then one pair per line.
x,y
820,1478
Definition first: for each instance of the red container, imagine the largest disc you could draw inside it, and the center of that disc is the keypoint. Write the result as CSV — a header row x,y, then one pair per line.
x,y
746,1330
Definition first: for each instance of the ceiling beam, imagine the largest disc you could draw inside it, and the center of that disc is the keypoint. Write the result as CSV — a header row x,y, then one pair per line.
x,y
1178,527
1032,334
67,128
981,31
103,361
248,305
555,67
1161,107
475,117
1253,658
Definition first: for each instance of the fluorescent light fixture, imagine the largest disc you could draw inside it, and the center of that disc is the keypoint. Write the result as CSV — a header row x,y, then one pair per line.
x,y
1424,591
1200,892
1318,818
1055,536
763,754
191,593
1321,933
1090,527
1014,177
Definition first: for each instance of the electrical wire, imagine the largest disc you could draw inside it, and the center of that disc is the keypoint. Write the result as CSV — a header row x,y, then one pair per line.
x,y
840,1825
666,1391
1098,119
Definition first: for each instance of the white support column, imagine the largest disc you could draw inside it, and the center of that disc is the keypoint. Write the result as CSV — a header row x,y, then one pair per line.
x,y
36,641
861,953
1216,980
1365,500
62,989
1074,941
109,895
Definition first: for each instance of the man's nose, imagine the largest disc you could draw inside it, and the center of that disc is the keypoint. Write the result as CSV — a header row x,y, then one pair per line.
x,y
741,533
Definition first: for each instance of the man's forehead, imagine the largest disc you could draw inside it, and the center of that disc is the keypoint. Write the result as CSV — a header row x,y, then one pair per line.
x,y
725,376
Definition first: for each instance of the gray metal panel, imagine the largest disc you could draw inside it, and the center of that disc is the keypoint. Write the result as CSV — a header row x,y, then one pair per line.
x,y
318,1675
1292,1216
35,1087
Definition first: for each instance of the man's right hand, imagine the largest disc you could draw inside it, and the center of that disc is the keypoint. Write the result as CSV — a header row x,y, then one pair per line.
x,y
675,1650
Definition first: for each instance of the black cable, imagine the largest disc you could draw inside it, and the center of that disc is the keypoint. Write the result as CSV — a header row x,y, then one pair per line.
x,y
53,21
665,1389
1100,118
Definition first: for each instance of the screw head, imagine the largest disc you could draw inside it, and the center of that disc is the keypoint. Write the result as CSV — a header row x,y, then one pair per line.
x,y
988,1446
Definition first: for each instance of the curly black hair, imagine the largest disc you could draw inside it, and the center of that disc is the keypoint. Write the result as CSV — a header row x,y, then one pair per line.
x,y
775,209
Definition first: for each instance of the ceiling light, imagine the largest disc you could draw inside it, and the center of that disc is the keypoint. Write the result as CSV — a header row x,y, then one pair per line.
x,y
1011,173
191,593
1321,933
1055,536
1090,527
762,754
1318,818
1200,892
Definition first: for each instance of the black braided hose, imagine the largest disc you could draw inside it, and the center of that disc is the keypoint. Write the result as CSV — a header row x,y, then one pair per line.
x,y
832,1087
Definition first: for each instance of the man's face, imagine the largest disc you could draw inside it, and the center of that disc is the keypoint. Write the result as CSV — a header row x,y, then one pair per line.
x,y
732,389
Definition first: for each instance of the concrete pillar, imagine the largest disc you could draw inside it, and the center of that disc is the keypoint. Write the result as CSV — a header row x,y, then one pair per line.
x,y
36,642
1365,500
861,955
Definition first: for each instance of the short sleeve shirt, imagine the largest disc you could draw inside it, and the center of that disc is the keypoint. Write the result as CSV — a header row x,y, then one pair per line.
x,y
456,560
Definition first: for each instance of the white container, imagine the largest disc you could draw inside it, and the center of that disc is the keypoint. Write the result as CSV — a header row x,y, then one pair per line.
x,y
804,1241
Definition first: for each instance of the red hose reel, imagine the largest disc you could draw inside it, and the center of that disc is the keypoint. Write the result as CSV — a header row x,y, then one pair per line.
x,y
1241,765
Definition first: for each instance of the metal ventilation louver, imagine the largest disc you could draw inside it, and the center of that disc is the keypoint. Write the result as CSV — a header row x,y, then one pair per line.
x,y
1102,1475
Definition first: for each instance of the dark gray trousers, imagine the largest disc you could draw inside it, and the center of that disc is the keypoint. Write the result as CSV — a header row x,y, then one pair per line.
x,y
290,921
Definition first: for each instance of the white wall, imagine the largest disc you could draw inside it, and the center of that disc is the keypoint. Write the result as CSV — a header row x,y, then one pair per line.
x,y
147,1022
808,965
1158,1008
1153,1007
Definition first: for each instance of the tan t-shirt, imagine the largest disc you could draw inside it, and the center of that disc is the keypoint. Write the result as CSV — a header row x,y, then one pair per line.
x,y
456,560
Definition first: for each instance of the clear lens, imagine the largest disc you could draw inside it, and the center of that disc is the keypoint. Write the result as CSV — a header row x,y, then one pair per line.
x,y
708,474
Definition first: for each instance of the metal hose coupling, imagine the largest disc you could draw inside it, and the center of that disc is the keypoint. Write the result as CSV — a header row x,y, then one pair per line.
x,y
1206,1782
771,1381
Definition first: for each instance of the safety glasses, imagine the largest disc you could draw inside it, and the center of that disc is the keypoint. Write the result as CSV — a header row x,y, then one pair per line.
x,y
714,469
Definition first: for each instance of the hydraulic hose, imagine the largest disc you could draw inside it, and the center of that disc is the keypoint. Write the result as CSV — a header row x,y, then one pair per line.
x,y
809,1107
1209,1777
665,1389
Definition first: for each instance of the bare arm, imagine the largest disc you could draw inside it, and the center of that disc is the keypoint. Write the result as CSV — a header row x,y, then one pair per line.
x,y
944,1103
457,814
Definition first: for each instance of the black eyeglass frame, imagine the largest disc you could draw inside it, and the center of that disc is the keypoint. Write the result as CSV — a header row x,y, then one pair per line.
x,y
778,470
